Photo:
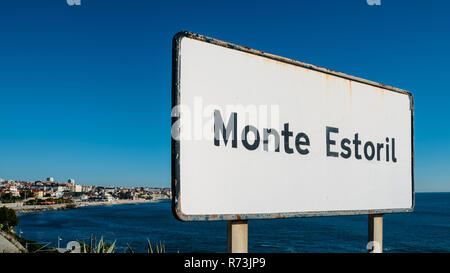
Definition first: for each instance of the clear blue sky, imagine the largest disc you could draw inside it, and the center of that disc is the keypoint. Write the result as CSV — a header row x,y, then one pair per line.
x,y
85,90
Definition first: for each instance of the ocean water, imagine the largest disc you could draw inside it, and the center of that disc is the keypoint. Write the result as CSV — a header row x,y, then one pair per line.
x,y
427,229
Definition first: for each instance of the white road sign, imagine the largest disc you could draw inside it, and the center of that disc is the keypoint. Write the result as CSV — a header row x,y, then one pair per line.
x,y
256,135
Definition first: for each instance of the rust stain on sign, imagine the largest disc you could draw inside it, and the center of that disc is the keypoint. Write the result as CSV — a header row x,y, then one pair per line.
x,y
350,87
327,83
350,90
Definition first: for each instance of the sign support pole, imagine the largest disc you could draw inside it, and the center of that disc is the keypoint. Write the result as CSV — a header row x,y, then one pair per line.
x,y
375,233
237,236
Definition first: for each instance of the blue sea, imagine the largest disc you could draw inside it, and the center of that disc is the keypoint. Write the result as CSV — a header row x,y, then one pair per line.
x,y
427,229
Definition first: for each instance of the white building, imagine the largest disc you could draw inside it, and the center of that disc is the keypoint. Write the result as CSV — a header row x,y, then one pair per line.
x,y
58,194
77,188
86,188
110,189
50,179
107,197
12,190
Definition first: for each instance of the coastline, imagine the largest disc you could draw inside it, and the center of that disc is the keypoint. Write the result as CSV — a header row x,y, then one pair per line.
x,y
20,208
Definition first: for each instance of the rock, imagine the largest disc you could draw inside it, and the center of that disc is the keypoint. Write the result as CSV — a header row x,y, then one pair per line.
x,y
8,244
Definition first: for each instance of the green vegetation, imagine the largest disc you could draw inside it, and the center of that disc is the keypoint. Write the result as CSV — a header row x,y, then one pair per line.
x,y
159,248
103,247
123,195
8,198
8,219
49,201
100,247
33,247
91,247
26,194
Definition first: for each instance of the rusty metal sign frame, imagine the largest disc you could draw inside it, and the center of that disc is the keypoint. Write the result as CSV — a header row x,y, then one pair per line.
x,y
175,145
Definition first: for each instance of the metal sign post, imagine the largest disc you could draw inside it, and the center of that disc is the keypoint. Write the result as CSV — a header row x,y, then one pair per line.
x,y
375,233
237,236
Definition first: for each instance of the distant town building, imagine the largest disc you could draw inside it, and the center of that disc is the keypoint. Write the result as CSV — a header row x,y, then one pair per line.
x,y
110,189
11,189
38,193
57,194
77,188
50,188
87,188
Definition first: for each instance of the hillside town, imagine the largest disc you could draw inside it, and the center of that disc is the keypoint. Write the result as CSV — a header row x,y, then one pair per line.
x,y
26,195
